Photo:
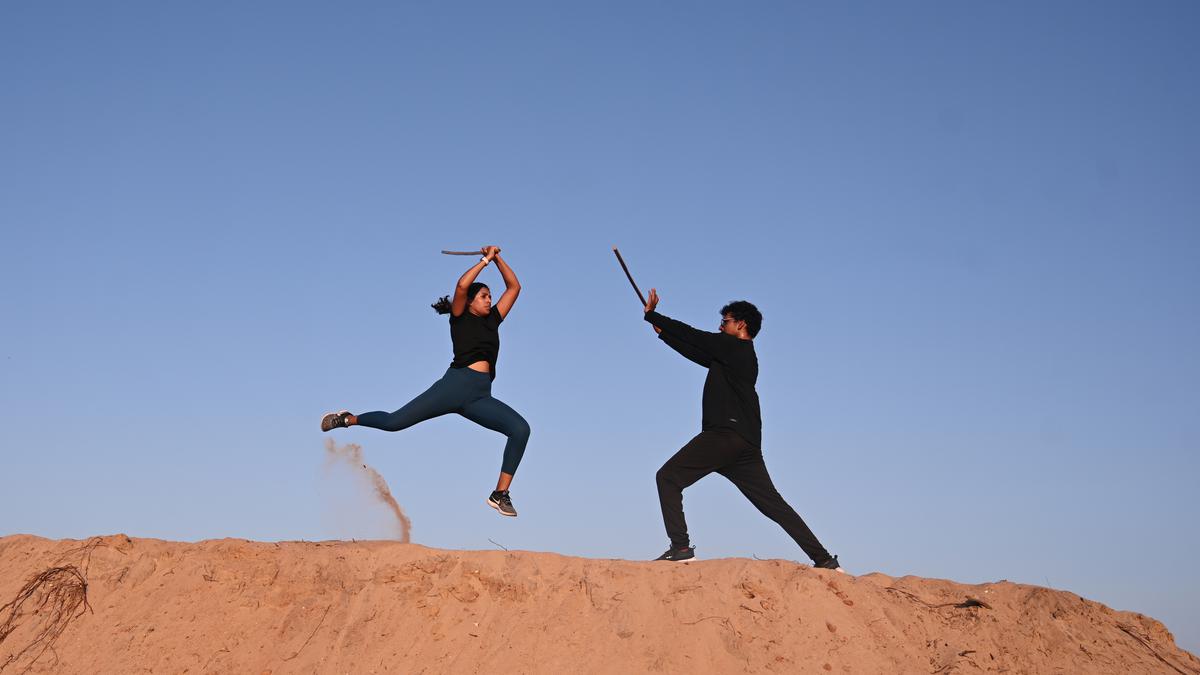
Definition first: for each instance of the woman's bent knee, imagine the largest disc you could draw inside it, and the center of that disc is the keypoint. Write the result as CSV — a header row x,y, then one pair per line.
x,y
520,430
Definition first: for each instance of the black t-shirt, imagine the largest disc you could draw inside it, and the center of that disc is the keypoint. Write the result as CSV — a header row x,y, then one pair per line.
x,y
729,401
475,338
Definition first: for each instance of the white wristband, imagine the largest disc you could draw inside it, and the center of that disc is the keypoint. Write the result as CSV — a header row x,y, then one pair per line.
x,y
484,260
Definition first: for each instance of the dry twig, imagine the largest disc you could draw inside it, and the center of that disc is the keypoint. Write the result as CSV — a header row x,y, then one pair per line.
x,y
1146,643
968,603
310,635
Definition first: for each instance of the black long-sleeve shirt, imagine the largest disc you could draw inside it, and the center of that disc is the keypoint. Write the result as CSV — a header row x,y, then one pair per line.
x,y
730,400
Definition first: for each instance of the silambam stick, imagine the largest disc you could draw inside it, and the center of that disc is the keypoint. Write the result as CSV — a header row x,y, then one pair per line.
x,y
629,276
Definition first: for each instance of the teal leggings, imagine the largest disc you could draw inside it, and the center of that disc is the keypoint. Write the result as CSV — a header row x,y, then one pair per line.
x,y
468,393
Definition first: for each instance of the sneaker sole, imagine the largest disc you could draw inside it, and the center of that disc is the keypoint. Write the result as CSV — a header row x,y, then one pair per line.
x,y
508,515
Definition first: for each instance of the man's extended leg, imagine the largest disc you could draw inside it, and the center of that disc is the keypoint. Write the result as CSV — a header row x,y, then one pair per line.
x,y
749,474
701,456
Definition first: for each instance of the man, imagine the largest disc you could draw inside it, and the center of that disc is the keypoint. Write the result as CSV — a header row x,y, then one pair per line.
x,y
730,440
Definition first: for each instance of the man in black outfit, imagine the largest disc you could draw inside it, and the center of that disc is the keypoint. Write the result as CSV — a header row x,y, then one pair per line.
x,y
730,439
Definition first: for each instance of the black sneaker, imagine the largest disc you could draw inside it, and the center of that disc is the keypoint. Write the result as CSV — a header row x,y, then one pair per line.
x,y
830,564
502,503
334,420
678,554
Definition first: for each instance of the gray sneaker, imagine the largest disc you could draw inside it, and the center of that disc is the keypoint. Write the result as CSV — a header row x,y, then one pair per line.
x,y
502,503
334,420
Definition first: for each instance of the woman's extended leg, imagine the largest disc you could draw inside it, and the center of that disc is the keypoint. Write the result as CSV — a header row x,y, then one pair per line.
x,y
445,396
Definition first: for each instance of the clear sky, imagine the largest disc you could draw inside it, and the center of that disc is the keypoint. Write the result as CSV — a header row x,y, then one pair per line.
x,y
972,229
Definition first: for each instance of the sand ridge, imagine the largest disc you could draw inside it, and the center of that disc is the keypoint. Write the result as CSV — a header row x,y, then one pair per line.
x,y
236,606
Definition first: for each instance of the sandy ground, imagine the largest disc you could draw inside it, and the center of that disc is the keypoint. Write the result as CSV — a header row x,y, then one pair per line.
x,y
236,606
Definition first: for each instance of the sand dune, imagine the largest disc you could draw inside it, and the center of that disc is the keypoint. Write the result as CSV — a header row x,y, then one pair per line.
x,y
235,606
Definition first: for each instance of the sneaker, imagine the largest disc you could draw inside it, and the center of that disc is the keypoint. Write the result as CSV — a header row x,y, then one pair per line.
x,y
502,503
334,420
830,563
676,554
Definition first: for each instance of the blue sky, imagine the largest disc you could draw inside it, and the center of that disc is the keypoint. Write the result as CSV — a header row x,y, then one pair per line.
x,y
972,229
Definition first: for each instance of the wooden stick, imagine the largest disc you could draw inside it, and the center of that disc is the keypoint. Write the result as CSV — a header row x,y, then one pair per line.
x,y
462,252
629,276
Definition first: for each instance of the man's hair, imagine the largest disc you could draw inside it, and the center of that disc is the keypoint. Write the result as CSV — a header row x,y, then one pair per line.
x,y
742,310
442,306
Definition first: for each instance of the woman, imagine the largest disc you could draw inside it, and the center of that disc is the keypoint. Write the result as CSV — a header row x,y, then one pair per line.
x,y
466,388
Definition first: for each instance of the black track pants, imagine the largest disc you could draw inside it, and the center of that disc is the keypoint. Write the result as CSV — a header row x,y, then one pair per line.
x,y
734,458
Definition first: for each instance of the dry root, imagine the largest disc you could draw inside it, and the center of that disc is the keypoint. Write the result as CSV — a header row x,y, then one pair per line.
x,y
44,607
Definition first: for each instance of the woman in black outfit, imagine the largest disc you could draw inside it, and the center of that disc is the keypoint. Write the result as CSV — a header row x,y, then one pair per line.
x,y
466,388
